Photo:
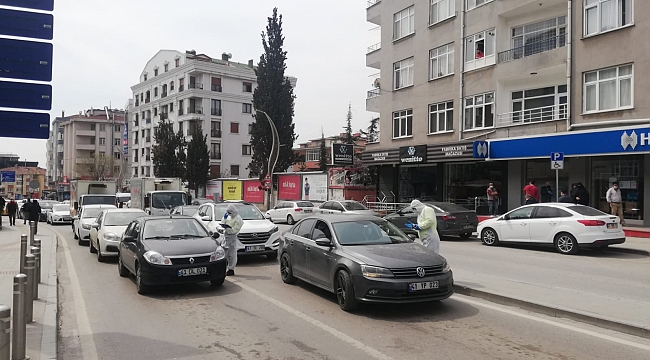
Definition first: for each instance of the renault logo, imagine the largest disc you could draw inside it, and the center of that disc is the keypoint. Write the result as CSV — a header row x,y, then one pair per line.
x,y
420,271
191,260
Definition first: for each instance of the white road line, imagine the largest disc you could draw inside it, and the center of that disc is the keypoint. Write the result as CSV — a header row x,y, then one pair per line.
x,y
84,331
336,333
552,323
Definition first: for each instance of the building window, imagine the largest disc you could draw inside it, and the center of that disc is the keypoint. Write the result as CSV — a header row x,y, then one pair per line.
x,y
92,127
102,141
234,170
312,155
171,107
118,128
155,72
246,150
102,127
171,85
215,151
177,62
117,142
475,3
479,111
541,104
234,128
604,15
441,117
166,67
441,10
155,91
247,87
135,154
155,111
403,73
403,123
148,173
246,108
135,172
404,23
531,39
92,141
250,129
609,89
145,77
479,50
441,61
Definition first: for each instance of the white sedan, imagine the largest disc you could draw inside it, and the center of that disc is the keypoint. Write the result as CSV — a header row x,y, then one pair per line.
x,y
107,230
81,223
290,211
60,214
568,227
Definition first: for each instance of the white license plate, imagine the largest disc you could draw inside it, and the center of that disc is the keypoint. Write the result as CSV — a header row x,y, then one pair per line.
x,y
255,248
428,285
468,227
193,271
307,211
612,226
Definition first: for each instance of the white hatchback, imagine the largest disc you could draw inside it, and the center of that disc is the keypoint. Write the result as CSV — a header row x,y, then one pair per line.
x,y
568,227
290,211
107,230
81,223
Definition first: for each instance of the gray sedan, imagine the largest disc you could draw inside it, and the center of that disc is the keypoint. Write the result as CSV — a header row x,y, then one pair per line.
x,y
362,258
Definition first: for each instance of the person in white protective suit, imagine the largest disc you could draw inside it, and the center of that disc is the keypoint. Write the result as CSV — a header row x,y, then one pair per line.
x,y
231,223
427,225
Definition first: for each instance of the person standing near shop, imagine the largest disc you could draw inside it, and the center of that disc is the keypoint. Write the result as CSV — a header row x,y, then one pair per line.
x,y
530,200
532,190
564,198
615,199
12,208
580,194
547,192
493,199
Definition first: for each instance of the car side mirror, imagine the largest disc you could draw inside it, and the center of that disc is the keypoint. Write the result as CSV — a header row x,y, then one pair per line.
x,y
205,218
324,242
146,201
215,235
95,226
128,239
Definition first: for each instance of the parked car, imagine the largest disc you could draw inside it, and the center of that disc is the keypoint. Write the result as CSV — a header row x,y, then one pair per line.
x,y
568,227
290,211
60,214
201,201
107,230
188,210
348,207
81,223
46,207
363,258
258,236
452,219
170,250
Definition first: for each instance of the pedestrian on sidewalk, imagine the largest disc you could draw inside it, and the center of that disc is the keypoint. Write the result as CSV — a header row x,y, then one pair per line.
x,y
427,225
34,214
25,210
532,190
530,200
615,199
493,199
232,223
564,198
12,208
547,193
2,209
580,194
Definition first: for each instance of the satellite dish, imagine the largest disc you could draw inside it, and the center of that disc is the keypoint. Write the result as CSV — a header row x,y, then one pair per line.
x,y
376,83
229,55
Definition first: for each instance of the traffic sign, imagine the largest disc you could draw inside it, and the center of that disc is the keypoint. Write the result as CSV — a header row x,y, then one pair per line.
x,y
26,24
7,176
25,95
557,161
47,5
24,125
25,60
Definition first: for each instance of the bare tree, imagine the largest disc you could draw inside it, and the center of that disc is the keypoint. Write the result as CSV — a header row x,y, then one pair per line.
x,y
97,167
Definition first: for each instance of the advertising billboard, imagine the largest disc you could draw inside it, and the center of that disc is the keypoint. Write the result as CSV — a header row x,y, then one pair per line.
x,y
252,192
314,187
214,190
232,190
289,187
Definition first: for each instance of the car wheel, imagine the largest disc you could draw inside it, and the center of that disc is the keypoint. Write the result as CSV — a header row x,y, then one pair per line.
x,y
121,269
465,235
345,292
489,237
218,282
285,270
80,241
566,244
142,288
91,247
100,257
290,220
75,234
272,256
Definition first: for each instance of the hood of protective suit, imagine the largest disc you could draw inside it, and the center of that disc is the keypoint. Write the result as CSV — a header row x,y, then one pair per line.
x,y
232,209
417,206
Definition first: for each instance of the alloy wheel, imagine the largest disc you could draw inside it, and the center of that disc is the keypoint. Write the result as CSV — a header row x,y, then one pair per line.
x,y
284,268
489,237
565,243
340,289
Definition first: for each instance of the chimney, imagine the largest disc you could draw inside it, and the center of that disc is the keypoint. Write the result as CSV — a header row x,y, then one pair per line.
x,y
62,113
250,63
224,57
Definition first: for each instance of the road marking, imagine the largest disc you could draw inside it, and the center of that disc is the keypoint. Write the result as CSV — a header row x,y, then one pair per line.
x,y
553,323
336,333
84,331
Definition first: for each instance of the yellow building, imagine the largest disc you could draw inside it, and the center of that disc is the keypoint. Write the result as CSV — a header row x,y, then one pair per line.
x,y
24,176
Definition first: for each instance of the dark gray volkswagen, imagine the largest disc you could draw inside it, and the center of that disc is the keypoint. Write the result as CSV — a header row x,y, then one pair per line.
x,y
165,250
363,258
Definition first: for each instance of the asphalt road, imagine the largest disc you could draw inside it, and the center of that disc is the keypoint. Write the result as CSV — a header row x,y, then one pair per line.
x,y
256,316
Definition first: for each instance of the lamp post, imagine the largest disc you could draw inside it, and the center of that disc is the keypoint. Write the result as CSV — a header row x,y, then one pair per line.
x,y
273,155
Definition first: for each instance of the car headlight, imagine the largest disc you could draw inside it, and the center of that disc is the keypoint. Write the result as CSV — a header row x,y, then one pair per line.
x,y
111,237
445,267
156,258
376,272
274,230
85,226
218,254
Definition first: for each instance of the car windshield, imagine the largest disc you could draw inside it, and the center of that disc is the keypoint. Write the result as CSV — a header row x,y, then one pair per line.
x,y
246,211
586,211
353,205
99,200
121,218
369,232
91,213
168,200
303,204
59,207
174,228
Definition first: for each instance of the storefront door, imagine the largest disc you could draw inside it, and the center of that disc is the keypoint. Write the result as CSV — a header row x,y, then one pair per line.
x,y
628,171
417,182
466,184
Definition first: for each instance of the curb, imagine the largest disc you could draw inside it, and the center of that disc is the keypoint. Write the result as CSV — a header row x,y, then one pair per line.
x,y
556,311
629,251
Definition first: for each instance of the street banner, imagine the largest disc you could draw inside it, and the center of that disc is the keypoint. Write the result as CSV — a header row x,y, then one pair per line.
x,y
289,187
314,187
232,190
214,190
252,192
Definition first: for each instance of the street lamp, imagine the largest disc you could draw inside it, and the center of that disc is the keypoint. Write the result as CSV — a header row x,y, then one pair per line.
x,y
273,155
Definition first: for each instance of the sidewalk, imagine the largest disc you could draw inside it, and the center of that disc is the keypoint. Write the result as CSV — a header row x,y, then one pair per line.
x,y
41,334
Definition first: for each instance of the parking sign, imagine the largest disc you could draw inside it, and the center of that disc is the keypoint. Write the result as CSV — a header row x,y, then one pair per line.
x,y
557,161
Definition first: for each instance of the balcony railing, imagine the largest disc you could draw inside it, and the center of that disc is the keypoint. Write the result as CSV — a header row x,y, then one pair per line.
x,y
148,139
215,133
373,93
373,48
216,112
195,110
215,156
164,116
547,113
195,86
180,111
532,48
181,88
147,100
372,3
217,88
148,120
163,95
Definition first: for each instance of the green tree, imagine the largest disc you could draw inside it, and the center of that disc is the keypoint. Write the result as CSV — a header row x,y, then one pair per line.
x,y
372,131
323,161
348,138
197,166
273,95
168,151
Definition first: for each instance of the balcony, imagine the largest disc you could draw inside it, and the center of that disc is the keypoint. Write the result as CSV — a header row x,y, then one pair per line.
x,y
83,160
195,86
195,110
164,116
217,88
373,13
532,48
215,156
373,56
372,100
85,147
162,95
215,133
537,115
181,88
148,120
86,133
216,112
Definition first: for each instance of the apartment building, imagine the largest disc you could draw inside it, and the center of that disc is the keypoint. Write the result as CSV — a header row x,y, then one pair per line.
x,y
191,89
477,91
55,151
22,187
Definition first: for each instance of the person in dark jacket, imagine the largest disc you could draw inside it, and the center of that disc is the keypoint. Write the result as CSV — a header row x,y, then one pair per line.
x,y
546,192
530,200
2,209
580,194
12,208
25,210
564,198
34,214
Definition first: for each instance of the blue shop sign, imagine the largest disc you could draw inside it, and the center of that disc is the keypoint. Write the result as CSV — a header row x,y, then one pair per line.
x,y
626,140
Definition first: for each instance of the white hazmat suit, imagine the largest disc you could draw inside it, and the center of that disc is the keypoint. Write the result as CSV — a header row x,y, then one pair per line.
x,y
427,226
233,224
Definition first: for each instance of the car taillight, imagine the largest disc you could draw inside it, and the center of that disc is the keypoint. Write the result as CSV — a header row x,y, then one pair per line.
x,y
298,209
449,217
592,222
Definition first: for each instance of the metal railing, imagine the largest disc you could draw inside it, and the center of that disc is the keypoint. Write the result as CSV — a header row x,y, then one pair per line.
x,y
373,93
164,116
195,86
181,88
216,112
195,110
162,95
373,48
215,156
372,3
216,88
532,48
547,113
215,133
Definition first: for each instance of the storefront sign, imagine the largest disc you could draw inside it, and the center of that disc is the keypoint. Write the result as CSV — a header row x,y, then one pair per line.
x,y
455,150
213,191
289,187
252,191
232,190
413,154
343,154
314,187
345,178
379,156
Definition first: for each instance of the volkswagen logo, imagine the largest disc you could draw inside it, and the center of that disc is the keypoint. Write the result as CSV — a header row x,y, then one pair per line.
x,y
343,149
420,271
411,150
192,262
254,235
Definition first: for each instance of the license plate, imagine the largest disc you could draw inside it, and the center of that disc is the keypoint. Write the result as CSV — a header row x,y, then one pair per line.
x,y
193,271
468,227
612,226
429,285
307,211
255,248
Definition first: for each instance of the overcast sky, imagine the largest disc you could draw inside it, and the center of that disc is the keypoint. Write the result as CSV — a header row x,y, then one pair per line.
x,y
101,47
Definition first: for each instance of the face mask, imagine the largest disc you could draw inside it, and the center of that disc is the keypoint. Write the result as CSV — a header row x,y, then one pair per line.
x,y
615,187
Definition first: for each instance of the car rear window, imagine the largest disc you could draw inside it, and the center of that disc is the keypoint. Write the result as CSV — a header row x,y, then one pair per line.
x,y
304,204
586,211
449,207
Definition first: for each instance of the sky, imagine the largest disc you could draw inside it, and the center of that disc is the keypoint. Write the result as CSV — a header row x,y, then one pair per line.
x,y
101,47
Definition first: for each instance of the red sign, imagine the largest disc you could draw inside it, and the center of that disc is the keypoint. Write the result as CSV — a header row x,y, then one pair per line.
x,y
252,192
289,187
